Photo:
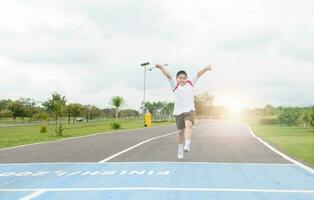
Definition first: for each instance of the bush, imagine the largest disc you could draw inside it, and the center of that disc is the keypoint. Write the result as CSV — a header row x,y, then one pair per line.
x,y
268,121
43,128
115,125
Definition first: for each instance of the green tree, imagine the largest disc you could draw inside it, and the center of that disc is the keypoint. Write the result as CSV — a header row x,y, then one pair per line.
x,y
305,118
311,117
168,109
4,104
117,102
289,116
159,109
269,110
109,112
17,108
151,107
5,114
56,105
74,110
204,104
91,112
95,112
129,113
86,112
29,106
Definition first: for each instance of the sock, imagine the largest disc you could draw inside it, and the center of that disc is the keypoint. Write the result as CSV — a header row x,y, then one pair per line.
x,y
188,142
180,146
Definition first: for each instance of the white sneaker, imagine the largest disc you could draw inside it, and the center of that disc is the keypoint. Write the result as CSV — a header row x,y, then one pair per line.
x,y
180,153
187,148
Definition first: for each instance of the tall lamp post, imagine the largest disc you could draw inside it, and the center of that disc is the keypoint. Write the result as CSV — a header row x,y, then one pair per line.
x,y
145,65
145,69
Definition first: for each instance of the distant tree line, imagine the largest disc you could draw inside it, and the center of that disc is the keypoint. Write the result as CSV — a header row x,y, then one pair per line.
x,y
291,116
56,107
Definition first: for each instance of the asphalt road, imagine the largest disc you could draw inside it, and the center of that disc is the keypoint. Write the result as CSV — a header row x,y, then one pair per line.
x,y
212,141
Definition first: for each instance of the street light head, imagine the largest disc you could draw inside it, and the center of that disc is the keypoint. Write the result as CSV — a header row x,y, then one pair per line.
x,y
144,64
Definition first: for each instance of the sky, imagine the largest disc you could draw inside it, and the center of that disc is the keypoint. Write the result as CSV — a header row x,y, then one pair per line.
x,y
261,52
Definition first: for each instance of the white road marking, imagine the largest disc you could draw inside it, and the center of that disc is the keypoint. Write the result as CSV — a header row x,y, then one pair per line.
x,y
33,195
42,190
137,145
280,153
134,146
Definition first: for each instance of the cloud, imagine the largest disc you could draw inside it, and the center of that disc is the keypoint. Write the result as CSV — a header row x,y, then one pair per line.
x,y
92,50
248,42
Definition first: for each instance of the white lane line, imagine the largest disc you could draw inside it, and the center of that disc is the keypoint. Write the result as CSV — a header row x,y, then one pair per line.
x,y
40,191
133,147
33,195
280,153
137,145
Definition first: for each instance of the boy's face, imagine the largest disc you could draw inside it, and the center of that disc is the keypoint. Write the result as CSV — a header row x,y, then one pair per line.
x,y
181,79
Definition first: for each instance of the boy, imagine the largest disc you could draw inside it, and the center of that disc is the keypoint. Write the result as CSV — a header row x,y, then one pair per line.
x,y
184,109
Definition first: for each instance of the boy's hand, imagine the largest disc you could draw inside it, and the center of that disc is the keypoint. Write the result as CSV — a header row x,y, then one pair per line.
x,y
159,66
208,67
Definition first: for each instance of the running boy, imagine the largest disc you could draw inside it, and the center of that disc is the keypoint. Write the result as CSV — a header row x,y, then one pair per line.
x,y
184,109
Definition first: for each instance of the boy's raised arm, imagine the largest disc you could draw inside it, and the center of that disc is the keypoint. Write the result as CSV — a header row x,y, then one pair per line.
x,y
203,70
164,71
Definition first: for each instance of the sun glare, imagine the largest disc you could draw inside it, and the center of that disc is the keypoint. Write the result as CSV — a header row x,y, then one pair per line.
x,y
234,110
235,103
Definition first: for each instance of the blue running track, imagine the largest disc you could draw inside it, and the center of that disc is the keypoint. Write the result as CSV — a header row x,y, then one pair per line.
x,y
155,181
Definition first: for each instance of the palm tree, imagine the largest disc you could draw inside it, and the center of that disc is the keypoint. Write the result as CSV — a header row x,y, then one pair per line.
x,y
117,102
148,106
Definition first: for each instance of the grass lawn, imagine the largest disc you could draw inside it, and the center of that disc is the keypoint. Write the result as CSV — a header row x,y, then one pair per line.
x,y
296,142
19,135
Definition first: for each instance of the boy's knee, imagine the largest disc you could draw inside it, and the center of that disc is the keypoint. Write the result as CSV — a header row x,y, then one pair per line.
x,y
180,132
188,125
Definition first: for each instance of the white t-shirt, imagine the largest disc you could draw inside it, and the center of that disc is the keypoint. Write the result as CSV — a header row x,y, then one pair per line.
x,y
184,96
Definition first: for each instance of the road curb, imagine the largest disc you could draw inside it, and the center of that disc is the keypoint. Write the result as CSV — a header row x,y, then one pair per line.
x,y
307,168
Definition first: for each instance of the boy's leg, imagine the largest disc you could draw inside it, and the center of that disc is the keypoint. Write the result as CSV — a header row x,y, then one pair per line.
x,y
188,129
188,135
188,122
180,138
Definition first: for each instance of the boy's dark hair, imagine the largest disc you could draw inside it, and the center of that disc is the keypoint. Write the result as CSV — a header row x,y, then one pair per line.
x,y
181,72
